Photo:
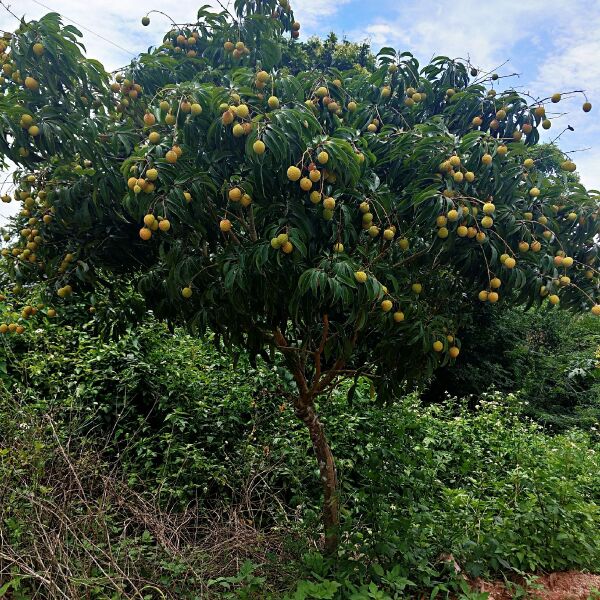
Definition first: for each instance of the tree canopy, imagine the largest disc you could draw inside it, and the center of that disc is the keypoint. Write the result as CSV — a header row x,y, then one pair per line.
x,y
348,215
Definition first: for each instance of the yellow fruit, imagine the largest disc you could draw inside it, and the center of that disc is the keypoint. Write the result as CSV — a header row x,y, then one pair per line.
x,y
152,174
246,200
34,131
154,137
164,225
480,236
462,231
305,184
486,159
145,233
195,109
564,280
487,222
259,147
360,276
596,310
534,192
235,194
149,220
323,157
438,346
373,231
442,233
329,203
388,234
314,175
495,283
273,102
287,247
242,111
536,246
225,225
187,196
458,177
567,261
417,288
171,157
387,305
38,49
587,106
321,92
51,313
477,121
510,262
26,121
572,216
502,150
170,119
493,297
523,247
398,316
404,244
31,84
149,119
469,176
441,221
339,247
489,208
186,292
262,76
546,123
554,299
238,130
454,351
315,197
293,173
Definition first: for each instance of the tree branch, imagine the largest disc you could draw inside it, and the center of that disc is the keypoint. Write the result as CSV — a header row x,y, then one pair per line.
x,y
293,363
319,352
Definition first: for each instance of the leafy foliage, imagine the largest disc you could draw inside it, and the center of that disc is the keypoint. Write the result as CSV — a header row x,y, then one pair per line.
x,y
548,357
168,421
173,142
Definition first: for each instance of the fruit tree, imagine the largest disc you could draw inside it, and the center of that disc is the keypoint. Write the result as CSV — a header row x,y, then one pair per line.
x,y
349,220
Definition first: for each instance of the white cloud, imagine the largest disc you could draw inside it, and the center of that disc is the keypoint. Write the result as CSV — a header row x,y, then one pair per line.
x,y
464,27
312,14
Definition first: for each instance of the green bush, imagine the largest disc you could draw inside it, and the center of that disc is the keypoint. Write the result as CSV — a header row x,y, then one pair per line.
x,y
547,356
179,428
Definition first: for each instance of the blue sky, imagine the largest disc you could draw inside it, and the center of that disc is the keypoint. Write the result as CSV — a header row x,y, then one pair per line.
x,y
553,45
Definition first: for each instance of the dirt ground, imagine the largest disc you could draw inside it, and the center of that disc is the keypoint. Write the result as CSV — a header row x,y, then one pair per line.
x,y
569,585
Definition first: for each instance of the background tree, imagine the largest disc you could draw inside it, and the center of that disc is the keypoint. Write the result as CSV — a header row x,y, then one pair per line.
x,y
349,220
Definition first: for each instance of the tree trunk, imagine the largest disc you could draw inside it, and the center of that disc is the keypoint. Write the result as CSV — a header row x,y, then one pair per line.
x,y
331,507
305,410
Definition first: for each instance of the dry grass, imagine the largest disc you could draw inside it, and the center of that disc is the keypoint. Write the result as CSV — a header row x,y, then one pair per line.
x,y
90,535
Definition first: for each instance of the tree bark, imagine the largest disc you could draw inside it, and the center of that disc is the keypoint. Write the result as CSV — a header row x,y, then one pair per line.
x,y
331,507
305,410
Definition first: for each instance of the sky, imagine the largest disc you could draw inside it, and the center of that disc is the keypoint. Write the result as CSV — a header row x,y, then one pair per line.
x,y
552,45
